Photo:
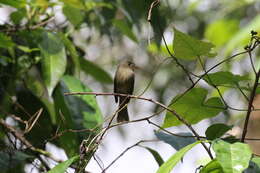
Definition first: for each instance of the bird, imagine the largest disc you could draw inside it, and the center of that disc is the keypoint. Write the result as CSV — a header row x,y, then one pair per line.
x,y
124,84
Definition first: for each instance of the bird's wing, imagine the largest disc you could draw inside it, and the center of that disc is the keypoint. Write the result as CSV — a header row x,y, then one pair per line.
x,y
115,89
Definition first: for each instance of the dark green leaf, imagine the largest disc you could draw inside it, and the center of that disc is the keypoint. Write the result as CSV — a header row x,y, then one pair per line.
x,y
14,3
212,167
77,112
189,48
11,158
74,15
94,70
252,168
5,41
193,107
62,167
217,130
54,60
18,15
176,142
156,156
220,78
173,160
125,28
234,158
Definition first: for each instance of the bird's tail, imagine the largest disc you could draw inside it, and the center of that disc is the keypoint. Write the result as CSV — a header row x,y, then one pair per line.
x,y
123,113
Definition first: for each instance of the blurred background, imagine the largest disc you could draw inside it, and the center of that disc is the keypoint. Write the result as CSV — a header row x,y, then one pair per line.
x,y
106,32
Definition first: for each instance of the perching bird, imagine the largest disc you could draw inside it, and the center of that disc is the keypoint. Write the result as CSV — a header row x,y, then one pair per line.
x,y
124,84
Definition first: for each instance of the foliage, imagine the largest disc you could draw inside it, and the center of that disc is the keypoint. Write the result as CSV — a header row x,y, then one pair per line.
x,y
48,77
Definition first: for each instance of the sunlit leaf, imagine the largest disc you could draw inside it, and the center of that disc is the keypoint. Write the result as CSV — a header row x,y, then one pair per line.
x,y
173,160
212,167
189,48
218,33
234,158
74,15
54,59
14,3
177,142
62,167
193,107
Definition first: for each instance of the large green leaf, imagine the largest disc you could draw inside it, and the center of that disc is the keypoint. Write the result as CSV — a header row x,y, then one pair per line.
x,y
218,33
220,78
189,48
76,112
74,15
173,160
176,142
234,158
212,167
14,3
62,167
193,107
94,70
125,28
54,59
217,130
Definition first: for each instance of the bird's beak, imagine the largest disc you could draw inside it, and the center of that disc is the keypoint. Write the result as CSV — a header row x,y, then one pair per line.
x,y
135,67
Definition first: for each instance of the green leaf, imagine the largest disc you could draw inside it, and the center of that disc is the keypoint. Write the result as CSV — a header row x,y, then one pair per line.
x,y
124,28
220,78
78,112
14,3
156,156
94,70
11,158
62,167
218,33
74,15
252,168
217,130
189,48
193,107
74,3
242,37
54,60
173,160
256,160
5,41
212,167
18,15
234,158
176,142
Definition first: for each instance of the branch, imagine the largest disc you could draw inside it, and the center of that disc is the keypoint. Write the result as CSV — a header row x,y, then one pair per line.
x,y
249,108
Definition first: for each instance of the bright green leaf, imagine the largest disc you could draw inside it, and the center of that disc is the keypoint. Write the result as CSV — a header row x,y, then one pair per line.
x,y
5,41
74,3
74,15
193,107
173,160
54,60
14,3
212,167
234,158
217,130
176,142
220,78
218,33
125,28
94,70
156,156
189,48
62,167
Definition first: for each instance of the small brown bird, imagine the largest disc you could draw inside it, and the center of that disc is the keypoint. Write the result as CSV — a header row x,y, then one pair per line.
x,y
124,84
